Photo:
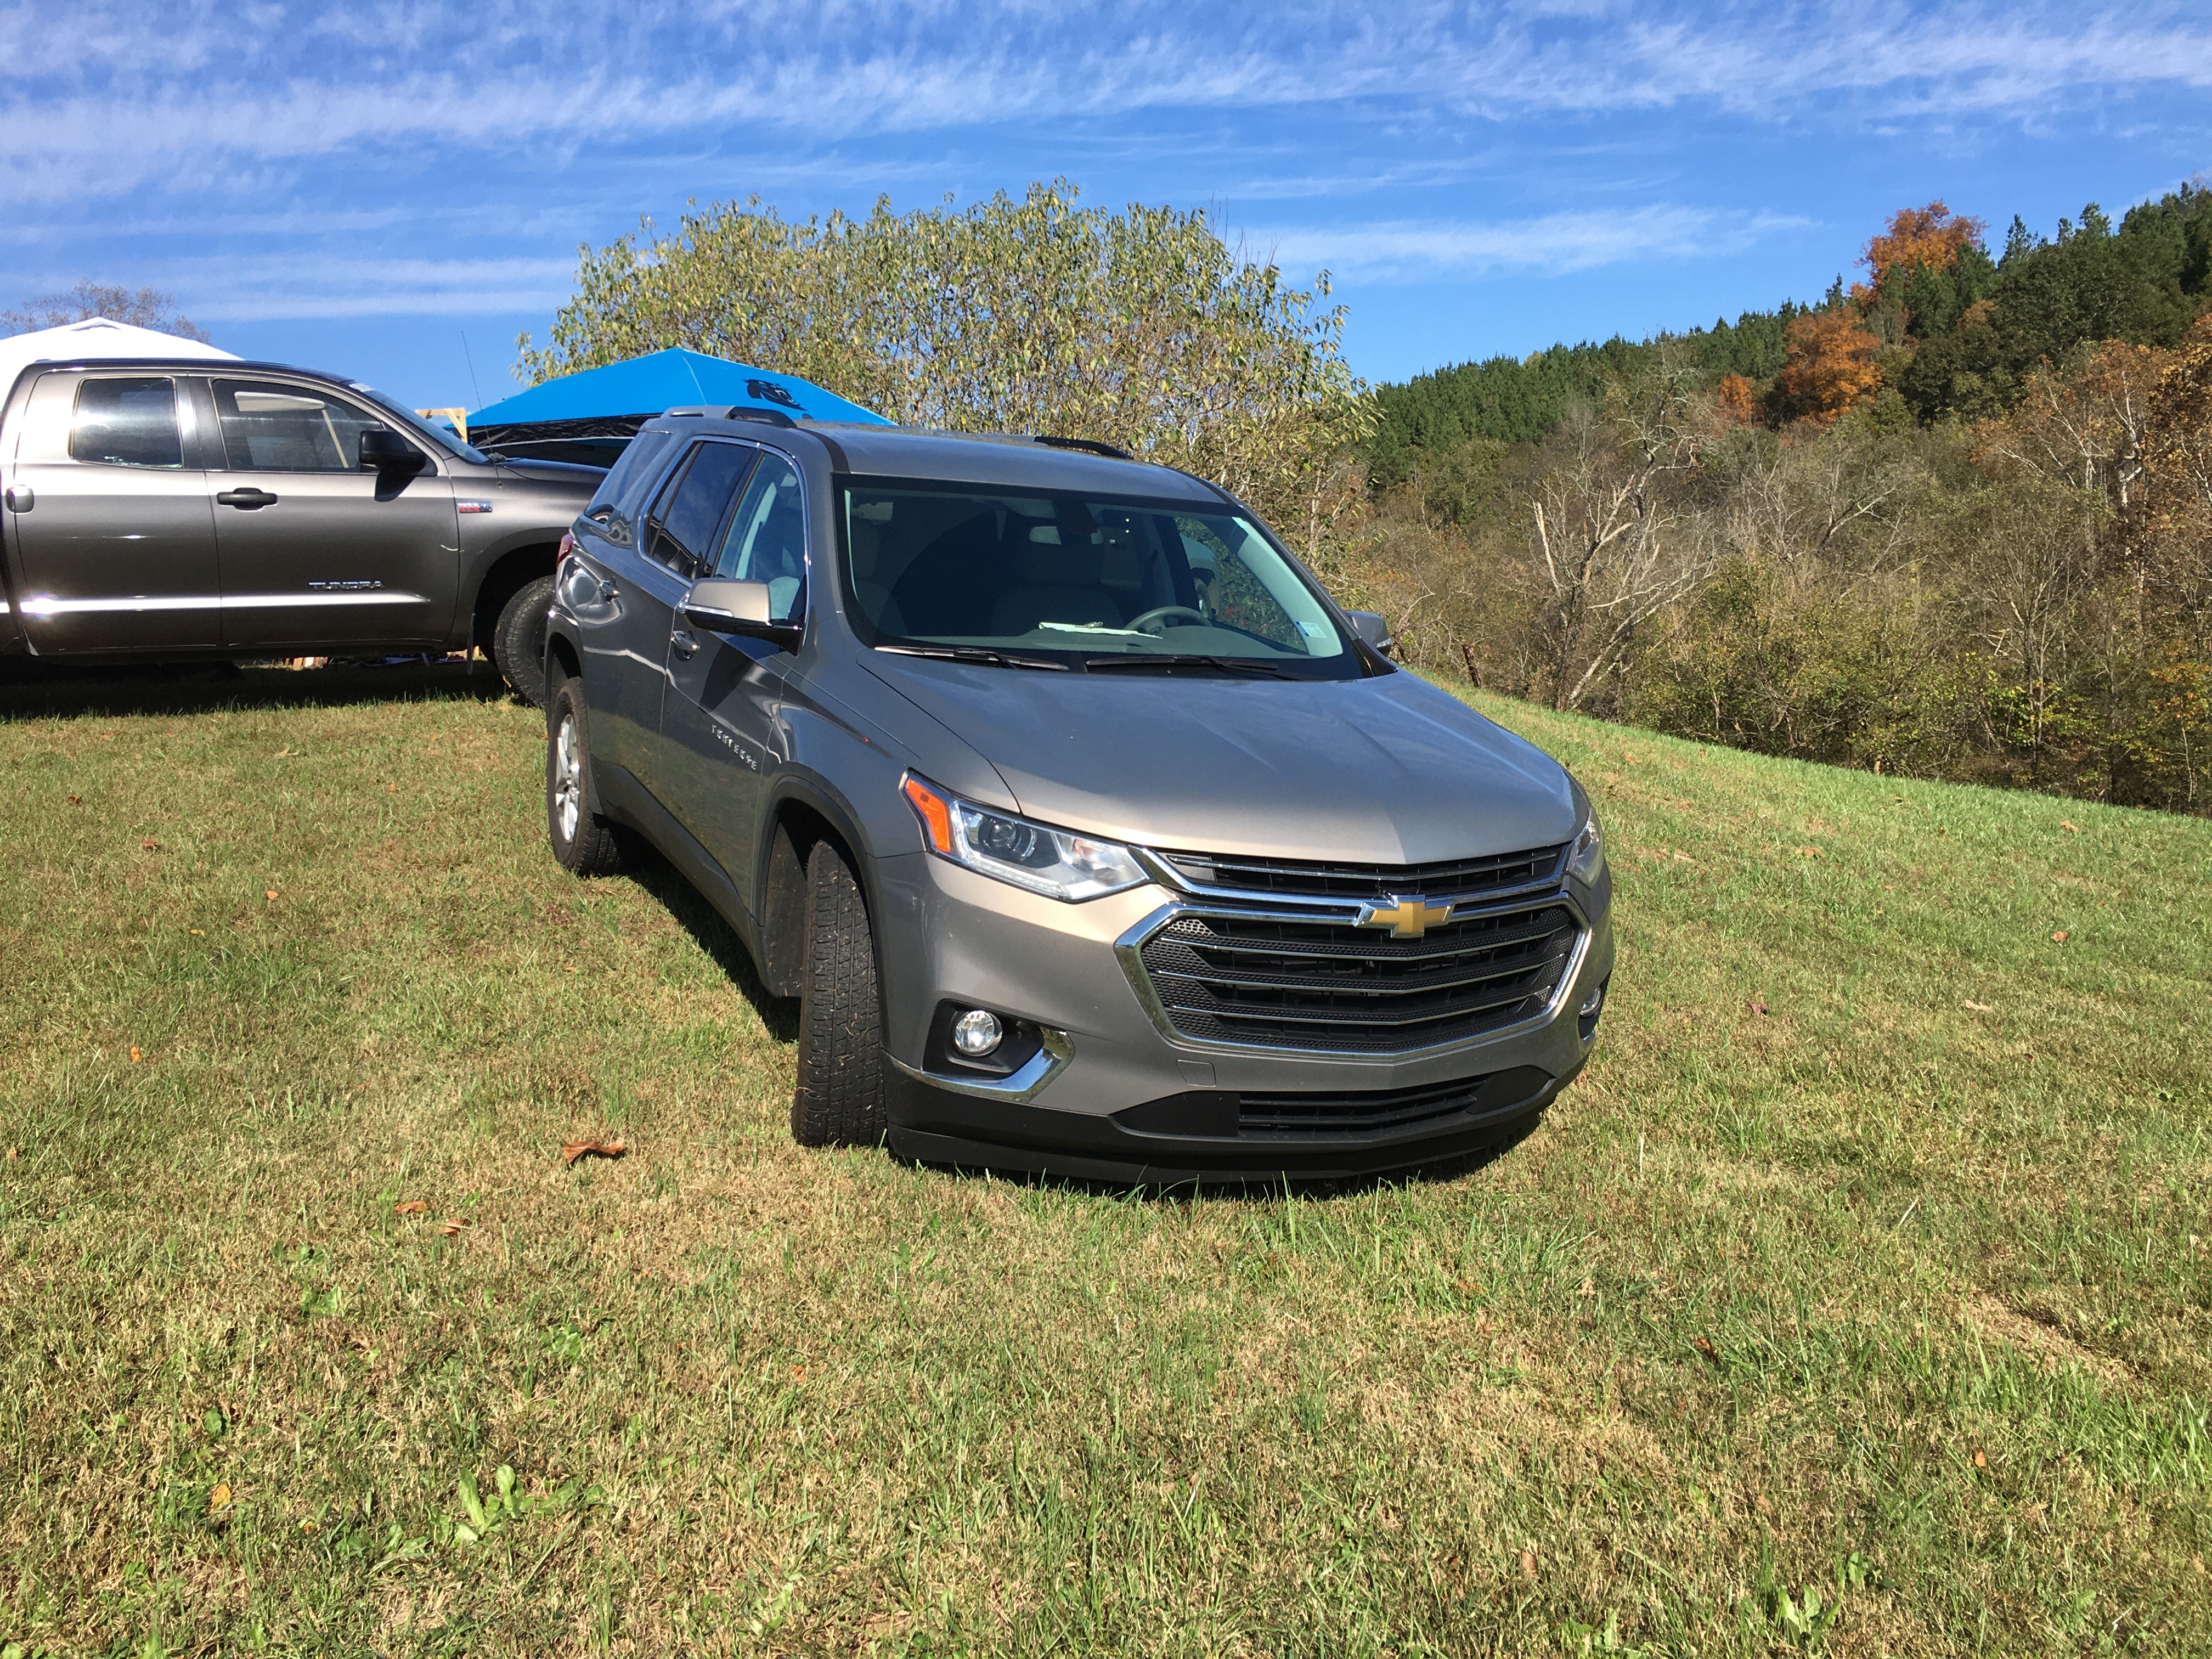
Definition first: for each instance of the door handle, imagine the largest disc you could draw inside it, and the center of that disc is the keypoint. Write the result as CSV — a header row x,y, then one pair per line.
x,y
681,642
22,498
246,500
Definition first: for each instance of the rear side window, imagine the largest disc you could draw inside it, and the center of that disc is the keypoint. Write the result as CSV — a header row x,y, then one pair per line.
x,y
692,509
126,422
616,505
271,428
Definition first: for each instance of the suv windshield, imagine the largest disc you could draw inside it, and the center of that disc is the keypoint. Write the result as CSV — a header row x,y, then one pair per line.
x,y
1079,582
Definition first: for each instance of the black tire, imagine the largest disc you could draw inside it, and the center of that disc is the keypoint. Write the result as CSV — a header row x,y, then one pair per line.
x,y
585,843
517,639
840,1098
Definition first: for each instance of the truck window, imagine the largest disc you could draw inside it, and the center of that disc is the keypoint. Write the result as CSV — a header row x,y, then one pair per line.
x,y
126,422
767,538
269,427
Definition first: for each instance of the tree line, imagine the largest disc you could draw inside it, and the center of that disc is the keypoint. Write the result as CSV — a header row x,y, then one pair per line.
x,y
1955,520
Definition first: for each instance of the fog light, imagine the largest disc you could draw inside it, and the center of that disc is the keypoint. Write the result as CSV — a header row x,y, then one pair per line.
x,y
976,1033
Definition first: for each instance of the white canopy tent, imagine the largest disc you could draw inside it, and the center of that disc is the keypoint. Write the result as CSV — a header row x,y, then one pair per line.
x,y
94,338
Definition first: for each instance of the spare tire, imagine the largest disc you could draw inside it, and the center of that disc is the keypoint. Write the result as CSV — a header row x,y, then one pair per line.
x,y
517,639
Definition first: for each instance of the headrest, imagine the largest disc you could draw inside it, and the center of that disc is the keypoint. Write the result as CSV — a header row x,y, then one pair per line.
x,y
1037,565
866,541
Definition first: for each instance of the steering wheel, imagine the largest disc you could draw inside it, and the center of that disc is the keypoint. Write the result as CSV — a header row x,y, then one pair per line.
x,y
1161,613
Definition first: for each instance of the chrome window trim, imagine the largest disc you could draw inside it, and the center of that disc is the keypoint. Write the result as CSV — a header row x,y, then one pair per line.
x,y
1018,1087
1129,949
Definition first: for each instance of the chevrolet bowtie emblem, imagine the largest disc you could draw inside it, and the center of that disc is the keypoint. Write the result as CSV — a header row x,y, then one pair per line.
x,y
1406,917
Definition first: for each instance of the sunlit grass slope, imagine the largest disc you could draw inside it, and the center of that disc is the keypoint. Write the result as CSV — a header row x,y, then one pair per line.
x,y
1856,1300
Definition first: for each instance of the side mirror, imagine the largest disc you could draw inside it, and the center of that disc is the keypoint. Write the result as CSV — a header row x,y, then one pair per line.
x,y
1371,627
383,451
740,608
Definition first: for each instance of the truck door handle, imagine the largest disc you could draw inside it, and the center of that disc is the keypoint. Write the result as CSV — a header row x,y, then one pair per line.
x,y
681,642
22,498
246,499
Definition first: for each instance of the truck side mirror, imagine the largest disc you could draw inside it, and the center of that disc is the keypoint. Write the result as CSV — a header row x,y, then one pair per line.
x,y
385,451
740,608
1371,627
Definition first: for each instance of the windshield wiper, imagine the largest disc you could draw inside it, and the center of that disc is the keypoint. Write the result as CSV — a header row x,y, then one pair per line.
x,y
1171,660
975,654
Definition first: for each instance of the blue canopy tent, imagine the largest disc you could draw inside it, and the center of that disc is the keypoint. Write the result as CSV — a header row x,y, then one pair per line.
x,y
592,416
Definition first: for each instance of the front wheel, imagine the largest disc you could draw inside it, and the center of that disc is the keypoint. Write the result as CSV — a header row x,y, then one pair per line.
x,y
840,1098
517,639
585,843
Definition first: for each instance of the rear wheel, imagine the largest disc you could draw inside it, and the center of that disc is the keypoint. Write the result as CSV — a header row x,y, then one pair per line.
x,y
584,842
840,1097
517,639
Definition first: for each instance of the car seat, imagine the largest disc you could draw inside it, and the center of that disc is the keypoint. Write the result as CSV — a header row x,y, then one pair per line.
x,y
1055,584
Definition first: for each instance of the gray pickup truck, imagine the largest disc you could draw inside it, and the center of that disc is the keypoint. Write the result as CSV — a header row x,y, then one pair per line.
x,y
163,510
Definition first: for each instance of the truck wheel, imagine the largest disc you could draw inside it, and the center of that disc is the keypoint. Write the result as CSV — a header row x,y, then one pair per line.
x,y
585,843
517,639
840,1097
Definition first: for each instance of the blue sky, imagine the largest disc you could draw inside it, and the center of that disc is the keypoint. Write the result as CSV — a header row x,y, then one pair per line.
x,y
394,191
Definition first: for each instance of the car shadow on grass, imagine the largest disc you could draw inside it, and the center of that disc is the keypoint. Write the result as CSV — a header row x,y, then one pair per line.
x,y
41,690
649,870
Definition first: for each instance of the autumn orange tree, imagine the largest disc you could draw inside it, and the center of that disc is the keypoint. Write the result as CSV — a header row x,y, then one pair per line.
x,y
1932,236
1833,362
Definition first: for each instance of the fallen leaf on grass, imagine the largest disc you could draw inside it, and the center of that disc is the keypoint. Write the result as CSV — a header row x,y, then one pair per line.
x,y
218,1500
2075,828
136,1054
149,844
1704,1344
1756,1007
1980,1461
2059,938
1811,853
15,1152
1528,1564
575,1149
1980,1007
410,1206
197,932
454,1226
76,800
269,893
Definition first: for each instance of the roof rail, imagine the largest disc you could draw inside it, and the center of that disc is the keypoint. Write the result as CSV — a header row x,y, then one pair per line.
x,y
735,412
1089,446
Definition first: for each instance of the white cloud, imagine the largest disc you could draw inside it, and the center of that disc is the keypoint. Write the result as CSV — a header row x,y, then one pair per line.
x,y
93,100
1414,250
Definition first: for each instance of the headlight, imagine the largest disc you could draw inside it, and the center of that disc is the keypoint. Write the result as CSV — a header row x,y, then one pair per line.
x,y
1054,862
1586,858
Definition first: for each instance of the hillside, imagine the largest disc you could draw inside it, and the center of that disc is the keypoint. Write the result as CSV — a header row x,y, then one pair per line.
x,y
1857,1297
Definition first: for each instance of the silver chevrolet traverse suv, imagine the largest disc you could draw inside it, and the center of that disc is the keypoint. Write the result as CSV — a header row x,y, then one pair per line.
x,y
1092,837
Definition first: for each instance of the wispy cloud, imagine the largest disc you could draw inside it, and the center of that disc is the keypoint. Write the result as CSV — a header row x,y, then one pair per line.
x,y
1554,243
93,100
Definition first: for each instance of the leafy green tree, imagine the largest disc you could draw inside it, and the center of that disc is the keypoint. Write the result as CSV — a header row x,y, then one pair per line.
x,y
1139,328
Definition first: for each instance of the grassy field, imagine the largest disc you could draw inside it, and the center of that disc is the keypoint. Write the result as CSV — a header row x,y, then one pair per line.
x,y
1857,1300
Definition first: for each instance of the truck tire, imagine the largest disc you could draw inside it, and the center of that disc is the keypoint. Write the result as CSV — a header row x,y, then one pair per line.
x,y
517,639
840,1098
585,843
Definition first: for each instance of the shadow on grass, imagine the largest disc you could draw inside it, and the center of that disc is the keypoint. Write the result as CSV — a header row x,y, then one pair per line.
x,y
38,691
649,870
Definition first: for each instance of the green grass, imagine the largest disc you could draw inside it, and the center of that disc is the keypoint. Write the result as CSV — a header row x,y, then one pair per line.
x,y
1877,1321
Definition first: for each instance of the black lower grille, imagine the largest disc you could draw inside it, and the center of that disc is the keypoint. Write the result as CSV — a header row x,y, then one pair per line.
x,y
1365,1112
1328,985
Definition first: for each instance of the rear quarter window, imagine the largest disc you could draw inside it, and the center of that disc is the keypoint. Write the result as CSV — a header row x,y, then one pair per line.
x,y
622,492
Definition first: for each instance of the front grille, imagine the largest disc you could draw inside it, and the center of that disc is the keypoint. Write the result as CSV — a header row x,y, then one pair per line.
x,y
1363,1112
1292,982
1306,878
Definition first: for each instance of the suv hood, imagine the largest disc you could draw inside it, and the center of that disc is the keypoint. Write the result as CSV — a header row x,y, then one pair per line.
x,y
1389,770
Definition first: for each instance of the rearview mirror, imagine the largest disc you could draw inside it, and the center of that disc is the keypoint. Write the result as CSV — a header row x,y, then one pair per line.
x,y
1371,627
383,451
740,608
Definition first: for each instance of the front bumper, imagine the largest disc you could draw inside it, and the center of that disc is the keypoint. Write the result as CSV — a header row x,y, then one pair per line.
x,y
1115,1093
